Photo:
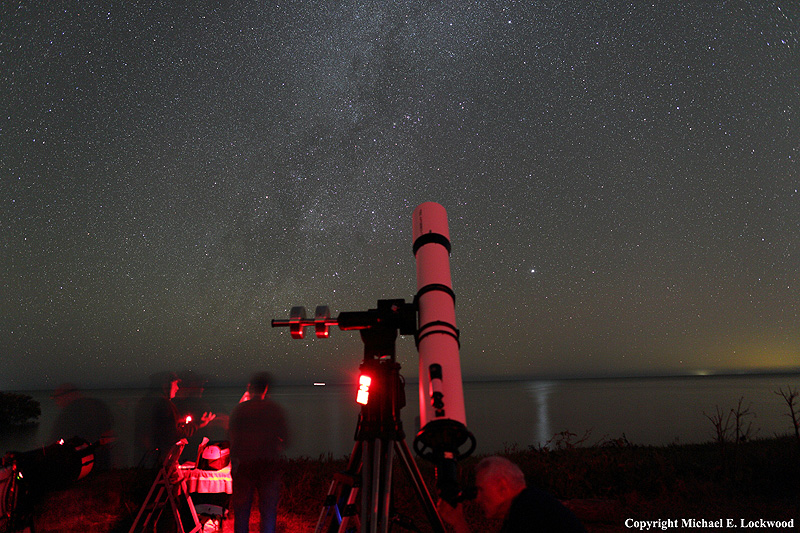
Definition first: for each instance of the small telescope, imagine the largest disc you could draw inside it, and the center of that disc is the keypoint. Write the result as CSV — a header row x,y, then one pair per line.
x,y
443,434
25,477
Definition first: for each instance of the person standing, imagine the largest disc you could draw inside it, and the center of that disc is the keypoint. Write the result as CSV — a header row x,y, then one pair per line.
x,y
191,403
158,423
258,435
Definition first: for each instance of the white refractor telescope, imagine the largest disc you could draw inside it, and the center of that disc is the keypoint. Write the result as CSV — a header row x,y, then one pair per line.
x,y
431,319
441,394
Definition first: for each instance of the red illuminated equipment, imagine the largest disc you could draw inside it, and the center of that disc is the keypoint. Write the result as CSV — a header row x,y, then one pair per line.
x,y
362,396
367,483
25,477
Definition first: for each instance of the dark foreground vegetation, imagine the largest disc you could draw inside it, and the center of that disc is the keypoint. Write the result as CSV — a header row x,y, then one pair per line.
x,y
605,484
18,410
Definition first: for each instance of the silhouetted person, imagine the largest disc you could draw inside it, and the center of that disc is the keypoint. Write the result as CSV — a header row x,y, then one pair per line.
x,y
189,397
503,494
189,401
158,423
258,436
87,418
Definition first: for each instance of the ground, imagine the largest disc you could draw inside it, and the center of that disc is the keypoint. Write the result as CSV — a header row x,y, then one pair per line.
x,y
605,485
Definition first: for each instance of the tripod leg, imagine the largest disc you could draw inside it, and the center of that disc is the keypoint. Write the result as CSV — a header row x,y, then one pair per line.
x,y
376,485
415,476
387,457
329,507
378,518
340,506
350,520
341,517
368,488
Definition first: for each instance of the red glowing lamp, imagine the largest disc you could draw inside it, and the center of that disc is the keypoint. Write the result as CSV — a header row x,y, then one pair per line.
x,y
364,383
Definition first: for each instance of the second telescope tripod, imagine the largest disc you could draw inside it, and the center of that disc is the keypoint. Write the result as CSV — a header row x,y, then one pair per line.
x,y
367,481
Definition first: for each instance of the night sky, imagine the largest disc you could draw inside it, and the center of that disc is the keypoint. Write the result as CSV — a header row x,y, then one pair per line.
x,y
621,181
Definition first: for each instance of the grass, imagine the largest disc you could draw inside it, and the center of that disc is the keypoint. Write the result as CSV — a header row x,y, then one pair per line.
x,y
604,484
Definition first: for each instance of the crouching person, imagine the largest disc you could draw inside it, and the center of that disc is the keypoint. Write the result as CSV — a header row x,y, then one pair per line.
x,y
503,494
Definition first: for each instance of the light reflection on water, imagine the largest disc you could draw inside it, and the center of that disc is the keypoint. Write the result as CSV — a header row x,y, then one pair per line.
x,y
502,415
540,395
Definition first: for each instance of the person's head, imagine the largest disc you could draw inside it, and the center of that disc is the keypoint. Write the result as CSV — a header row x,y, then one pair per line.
x,y
259,384
498,481
168,382
174,385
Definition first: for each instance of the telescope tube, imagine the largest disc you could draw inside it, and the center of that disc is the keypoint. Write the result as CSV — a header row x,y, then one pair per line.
x,y
442,414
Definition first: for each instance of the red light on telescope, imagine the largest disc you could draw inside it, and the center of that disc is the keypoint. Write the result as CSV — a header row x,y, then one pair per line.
x,y
364,383
188,419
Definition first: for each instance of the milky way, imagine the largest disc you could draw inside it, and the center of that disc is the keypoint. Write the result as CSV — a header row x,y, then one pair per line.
x,y
621,182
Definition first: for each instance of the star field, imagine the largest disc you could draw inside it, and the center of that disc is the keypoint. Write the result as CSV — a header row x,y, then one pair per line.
x,y
621,182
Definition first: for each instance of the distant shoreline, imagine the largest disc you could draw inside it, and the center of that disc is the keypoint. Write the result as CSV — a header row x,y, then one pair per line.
x,y
493,379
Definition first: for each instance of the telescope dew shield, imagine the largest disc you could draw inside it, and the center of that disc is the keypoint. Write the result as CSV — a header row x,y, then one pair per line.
x,y
442,413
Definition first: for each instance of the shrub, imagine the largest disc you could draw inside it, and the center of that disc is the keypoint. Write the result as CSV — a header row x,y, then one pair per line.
x,y
18,409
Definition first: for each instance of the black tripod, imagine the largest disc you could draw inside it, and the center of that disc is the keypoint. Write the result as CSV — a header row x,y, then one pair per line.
x,y
379,434
379,437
